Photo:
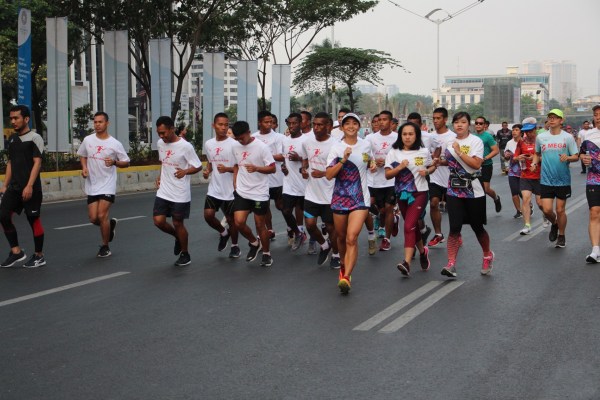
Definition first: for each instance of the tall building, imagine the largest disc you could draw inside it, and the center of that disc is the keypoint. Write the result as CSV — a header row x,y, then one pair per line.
x,y
563,77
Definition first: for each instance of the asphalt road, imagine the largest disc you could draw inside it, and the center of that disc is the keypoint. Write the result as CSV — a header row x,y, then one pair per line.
x,y
133,326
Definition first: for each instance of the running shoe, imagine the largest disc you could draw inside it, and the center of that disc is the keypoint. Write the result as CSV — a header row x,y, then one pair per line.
x,y
425,235
404,268
372,247
437,239
532,210
113,226
442,206
334,263
518,215
553,233
290,235
381,232
224,223
396,226
235,252
375,222
312,247
177,248
424,259
592,259
223,241
35,261
323,255
385,245
253,252
324,229
299,241
488,264
266,260
561,242
525,231
546,223
498,204
103,252
344,283
271,235
449,270
184,259
13,258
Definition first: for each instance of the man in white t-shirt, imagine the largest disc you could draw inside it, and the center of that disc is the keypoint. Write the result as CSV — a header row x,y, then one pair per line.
x,y
219,152
100,154
173,198
585,128
254,163
337,132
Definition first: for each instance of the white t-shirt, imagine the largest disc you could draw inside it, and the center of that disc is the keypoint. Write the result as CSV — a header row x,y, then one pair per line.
x,y
337,134
179,154
318,190
430,141
350,191
293,183
252,185
472,146
409,179
220,152
101,179
274,142
380,147
441,174
581,134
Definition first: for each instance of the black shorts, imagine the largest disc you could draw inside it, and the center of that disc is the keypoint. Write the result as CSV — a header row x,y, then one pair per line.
x,y
212,203
290,202
436,190
347,212
383,196
514,182
242,204
466,211
486,173
178,211
106,197
531,185
551,192
275,193
314,210
592,192
12,201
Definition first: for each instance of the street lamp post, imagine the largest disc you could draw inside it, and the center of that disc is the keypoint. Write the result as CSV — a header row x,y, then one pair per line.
x,y
438,22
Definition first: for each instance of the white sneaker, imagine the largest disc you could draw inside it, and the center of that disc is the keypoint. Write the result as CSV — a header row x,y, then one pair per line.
x,y
525,231
592,259
546,223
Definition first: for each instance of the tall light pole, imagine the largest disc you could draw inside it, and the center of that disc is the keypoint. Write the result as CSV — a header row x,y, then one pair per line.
x,y
438,22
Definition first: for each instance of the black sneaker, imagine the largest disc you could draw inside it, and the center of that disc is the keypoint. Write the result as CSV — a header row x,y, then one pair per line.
x,y
266,260
103,252
425,235
324,229
404,268
517,215
235,252
553,233
223,241
253,252
177,248
13,258
323,254
498,204
561,242
271,235
184,259
532,210
35,261
113,226
334,263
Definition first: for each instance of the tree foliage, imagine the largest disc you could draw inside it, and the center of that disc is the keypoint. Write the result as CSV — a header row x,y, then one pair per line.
x,y
346,65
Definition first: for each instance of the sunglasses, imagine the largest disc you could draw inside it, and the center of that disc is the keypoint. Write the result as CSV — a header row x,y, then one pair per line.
x,y
479,123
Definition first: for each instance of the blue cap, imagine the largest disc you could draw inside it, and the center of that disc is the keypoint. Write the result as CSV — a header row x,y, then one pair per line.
x,y
528,127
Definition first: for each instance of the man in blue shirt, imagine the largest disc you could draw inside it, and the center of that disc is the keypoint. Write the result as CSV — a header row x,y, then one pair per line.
x,y
557,149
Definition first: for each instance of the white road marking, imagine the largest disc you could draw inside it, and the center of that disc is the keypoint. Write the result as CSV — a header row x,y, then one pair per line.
x,y
420,307
60,289
88,224
397,306
541,229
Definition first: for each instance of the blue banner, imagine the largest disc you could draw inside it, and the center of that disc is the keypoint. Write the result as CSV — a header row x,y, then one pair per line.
x,y
24,58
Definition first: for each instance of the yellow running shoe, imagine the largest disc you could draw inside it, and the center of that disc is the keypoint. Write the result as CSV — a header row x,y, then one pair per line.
x,y
344,284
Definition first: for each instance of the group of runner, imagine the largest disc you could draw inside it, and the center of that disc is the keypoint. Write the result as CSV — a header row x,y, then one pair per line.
x,y
318,171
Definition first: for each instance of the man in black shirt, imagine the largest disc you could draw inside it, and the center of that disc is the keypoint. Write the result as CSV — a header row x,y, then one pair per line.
x,y
503,136
22,188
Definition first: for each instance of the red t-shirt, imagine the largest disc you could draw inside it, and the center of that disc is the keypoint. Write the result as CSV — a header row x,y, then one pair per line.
x,y
527,148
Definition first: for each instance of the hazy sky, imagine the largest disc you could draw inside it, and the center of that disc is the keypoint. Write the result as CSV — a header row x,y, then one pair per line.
x,y
484,40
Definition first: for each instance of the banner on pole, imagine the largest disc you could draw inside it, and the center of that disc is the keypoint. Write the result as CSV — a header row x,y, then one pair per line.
x,y
247,108
58,85
116,96
280,92
24,58
213,99
160,82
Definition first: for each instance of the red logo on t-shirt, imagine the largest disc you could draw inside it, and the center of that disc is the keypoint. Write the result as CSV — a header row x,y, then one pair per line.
x,y
99,149
245,155
218,150
291,148
384,145
168,155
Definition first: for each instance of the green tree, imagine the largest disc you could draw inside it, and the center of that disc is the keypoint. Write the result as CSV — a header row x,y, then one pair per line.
x,y
82,117
345,65
528,106
475,110
553,103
